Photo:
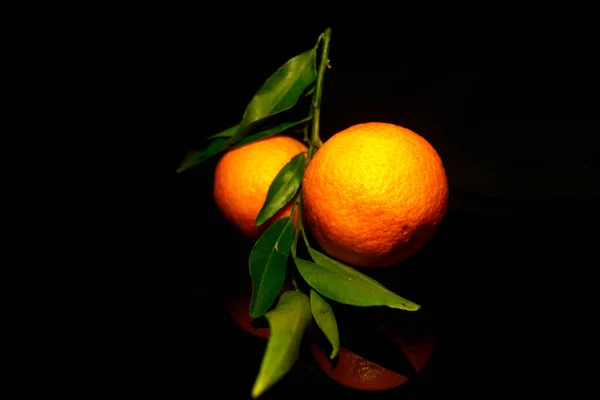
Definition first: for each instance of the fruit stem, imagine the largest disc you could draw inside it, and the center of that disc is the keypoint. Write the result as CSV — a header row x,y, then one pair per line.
x,y
315,141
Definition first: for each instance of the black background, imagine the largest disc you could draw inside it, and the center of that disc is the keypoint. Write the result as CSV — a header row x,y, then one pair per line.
x,y
508,100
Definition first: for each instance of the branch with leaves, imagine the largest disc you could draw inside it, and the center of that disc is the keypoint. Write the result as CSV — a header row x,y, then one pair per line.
x,y
276,253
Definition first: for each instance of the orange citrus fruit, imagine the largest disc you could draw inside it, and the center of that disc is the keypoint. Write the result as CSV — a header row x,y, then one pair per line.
x,y
243,177
356,372
374,193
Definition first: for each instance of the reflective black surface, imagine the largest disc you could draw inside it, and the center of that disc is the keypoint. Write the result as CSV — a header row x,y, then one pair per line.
x,y
506,277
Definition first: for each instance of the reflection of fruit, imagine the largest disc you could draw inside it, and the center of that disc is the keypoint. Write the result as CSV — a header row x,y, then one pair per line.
x,y
238,307
374,194
243,177
354,371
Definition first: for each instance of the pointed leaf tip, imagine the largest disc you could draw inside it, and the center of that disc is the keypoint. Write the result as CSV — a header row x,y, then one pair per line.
x,y
346,285
325,319
282,89
287,324
282,189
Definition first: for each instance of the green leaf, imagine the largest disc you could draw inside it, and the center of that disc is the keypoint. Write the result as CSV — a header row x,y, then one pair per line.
x,y
226,133
323,314
197,156
287,324
280,92
269,132
221,142
346,285
282,189
267,264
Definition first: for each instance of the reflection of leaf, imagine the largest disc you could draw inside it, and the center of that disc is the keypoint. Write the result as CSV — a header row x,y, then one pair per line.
x,y
346,285
287,324
267,263
195,157
268,132
282,189
226,133
323,314
280,91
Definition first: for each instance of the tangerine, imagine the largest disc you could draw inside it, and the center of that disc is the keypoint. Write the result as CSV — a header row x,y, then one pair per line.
x,y
374,193
243,176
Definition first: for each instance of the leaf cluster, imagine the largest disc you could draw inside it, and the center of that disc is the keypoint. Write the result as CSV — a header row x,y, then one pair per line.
x,y
318,279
